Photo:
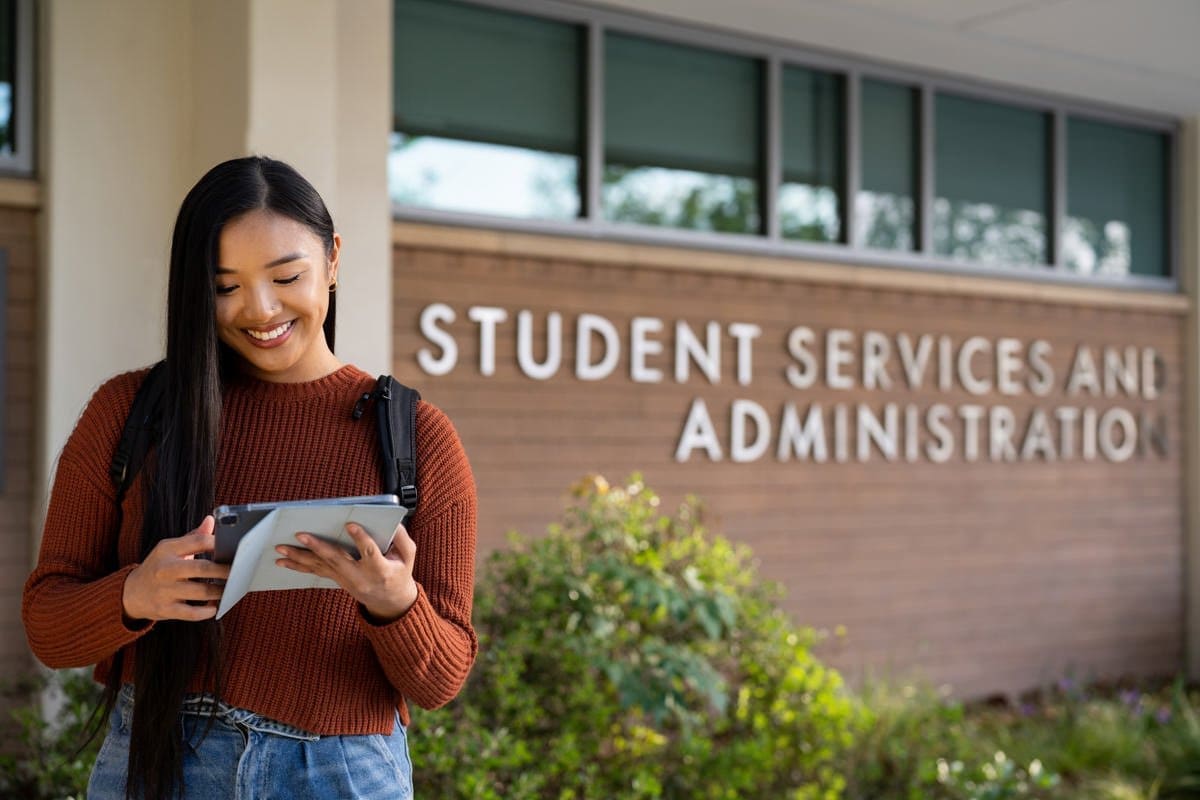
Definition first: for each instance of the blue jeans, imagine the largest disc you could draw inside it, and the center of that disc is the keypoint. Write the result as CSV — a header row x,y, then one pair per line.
x,y
247,756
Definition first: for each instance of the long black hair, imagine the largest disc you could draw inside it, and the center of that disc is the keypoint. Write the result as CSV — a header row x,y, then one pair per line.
x,y
180,474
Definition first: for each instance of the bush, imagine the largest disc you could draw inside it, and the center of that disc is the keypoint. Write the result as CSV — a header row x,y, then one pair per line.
x,y
51,760
630,654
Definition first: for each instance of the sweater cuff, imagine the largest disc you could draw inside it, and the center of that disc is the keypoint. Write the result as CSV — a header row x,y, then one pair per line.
x,y
409,640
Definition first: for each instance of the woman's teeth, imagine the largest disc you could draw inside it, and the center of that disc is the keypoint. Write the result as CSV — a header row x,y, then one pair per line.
x,y
274,333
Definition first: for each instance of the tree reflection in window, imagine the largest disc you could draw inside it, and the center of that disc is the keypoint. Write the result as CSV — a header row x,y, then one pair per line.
x,y
989,233
1092,249
809,212
886,220
681,199
459,175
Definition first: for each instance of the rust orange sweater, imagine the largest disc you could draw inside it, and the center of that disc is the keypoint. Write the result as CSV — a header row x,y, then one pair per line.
x,y
307,657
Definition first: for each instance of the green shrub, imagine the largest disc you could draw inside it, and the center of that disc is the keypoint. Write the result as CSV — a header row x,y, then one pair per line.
x,y
50,760
630,654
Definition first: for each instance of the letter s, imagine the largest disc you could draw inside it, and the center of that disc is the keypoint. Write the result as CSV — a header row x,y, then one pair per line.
x,y
430,317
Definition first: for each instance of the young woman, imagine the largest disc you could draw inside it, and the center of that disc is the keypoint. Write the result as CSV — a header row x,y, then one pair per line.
x,y
293,693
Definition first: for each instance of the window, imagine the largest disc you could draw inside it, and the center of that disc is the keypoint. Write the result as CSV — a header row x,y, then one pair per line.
x,y
487,111
886,205
1116,220
559,114
810,199
682,136
16,86
992,169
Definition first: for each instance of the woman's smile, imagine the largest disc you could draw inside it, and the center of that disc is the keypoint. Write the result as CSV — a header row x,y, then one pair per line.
x,y
273,336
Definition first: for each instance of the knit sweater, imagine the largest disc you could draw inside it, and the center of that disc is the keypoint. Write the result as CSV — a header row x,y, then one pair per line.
x,y
306,657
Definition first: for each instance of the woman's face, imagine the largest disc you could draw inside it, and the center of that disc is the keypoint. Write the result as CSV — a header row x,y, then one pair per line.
x,y
272,286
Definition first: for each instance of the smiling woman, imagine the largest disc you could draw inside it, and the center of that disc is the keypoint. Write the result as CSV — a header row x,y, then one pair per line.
x,y
257,408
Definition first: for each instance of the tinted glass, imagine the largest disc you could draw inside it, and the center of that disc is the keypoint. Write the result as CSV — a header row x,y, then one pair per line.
x,y
810,198
8,75
487,109
1116,200
682,136
992,178
887,199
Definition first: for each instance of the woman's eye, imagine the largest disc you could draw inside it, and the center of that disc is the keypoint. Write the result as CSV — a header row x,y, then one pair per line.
x,y
225,289
286,281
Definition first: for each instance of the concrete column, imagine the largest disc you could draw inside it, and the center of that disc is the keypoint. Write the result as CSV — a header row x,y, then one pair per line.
x,y
362,208
320,99
137,99
115,133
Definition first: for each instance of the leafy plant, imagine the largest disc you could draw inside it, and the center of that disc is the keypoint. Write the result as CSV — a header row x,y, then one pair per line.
x,y
631,654
50,761
1000,778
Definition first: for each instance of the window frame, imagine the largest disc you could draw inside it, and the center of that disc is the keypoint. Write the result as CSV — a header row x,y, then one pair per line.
x,y
775,55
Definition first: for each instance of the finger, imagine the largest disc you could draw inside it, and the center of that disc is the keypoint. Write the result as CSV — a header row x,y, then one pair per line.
x,y
206,526
331,554
295,566
193,590
189,613
367,549
403,547
302,560
191,544
195,569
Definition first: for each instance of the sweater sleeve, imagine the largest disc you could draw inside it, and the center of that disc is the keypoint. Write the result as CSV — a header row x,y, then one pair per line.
x,y
72,603
428,652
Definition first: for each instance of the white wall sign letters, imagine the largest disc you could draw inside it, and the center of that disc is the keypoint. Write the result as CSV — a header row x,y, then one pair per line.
x,y
1100,406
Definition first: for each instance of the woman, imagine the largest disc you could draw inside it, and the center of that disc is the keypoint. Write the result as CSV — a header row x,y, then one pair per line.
x,y
294,693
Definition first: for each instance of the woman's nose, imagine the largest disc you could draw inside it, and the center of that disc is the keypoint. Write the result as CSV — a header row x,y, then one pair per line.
x,y
261,305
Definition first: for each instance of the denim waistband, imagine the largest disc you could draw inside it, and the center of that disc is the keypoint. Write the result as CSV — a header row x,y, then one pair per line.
x,y
206,705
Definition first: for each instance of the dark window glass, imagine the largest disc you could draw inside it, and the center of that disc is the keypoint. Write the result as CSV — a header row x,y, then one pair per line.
x,y
810,198
887,200
488,111
992,177
1116,200
682,136
8,76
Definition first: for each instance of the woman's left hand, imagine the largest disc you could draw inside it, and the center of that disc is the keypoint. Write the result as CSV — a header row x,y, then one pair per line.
x,y
381,582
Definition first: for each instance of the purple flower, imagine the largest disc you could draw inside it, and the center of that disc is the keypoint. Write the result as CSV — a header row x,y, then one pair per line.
x,y
1163,715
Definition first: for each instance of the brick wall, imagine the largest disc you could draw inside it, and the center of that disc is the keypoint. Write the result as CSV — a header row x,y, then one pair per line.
x,y
987,575
18,237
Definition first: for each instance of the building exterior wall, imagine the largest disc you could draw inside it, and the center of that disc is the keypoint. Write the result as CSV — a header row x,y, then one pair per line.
x,y
987,575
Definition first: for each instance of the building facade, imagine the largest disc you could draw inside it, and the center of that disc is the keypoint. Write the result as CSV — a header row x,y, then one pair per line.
x,y
903,291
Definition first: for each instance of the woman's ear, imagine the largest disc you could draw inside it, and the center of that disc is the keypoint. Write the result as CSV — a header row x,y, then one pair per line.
x,y
333,259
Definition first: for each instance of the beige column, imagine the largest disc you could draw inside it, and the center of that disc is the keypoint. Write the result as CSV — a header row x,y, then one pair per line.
x,y
136,99
320,98
115,86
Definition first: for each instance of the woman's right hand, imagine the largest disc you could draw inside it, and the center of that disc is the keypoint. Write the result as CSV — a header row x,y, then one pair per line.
x,y
171,575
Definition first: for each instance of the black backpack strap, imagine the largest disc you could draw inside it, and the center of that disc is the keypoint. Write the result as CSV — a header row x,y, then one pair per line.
x,y
396,414
140,428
